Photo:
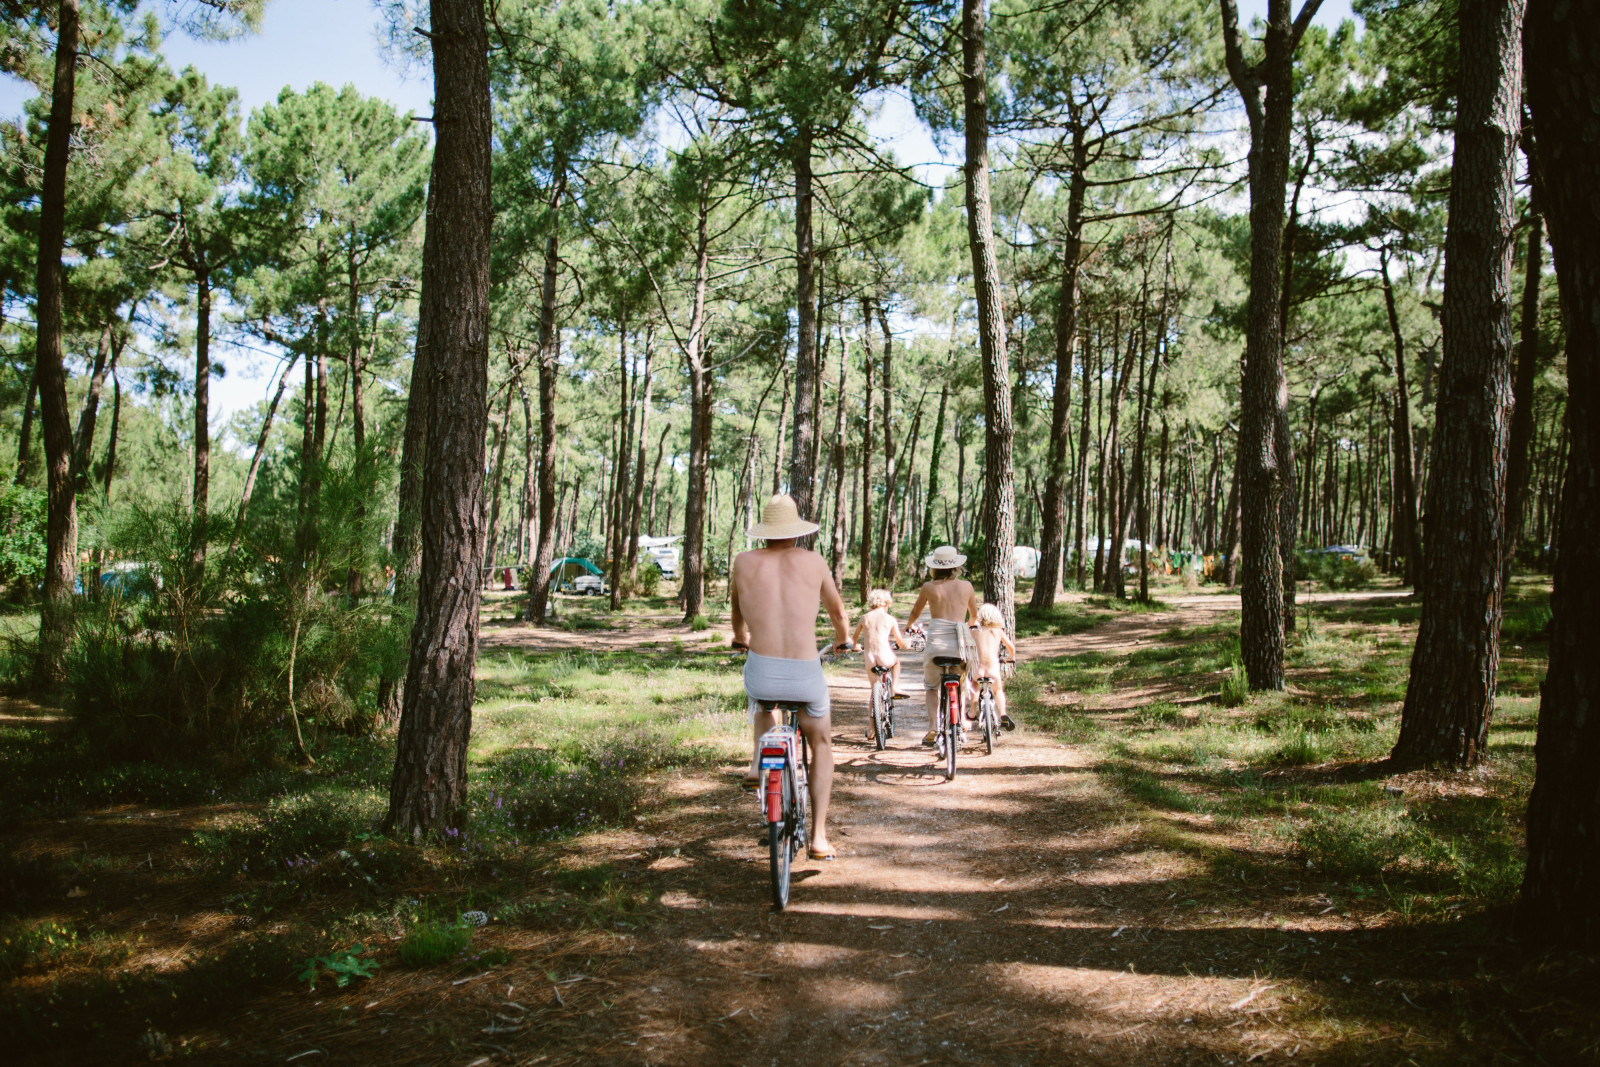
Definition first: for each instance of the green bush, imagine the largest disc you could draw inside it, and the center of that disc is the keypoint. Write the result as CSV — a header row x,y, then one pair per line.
x,y
1235,685
699,622
22,548
1333,571
649,577
433,942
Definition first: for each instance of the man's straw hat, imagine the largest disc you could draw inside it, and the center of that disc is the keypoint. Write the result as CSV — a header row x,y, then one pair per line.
x,y
944,558
780,519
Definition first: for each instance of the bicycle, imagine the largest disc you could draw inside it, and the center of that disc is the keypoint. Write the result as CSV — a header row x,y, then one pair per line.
x,y
950,727
784,792
882,706
988,711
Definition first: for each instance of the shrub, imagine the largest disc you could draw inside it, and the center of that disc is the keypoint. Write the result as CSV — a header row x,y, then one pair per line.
x,y
649,577
699,622
433,942
1235,685
1334,571
22,549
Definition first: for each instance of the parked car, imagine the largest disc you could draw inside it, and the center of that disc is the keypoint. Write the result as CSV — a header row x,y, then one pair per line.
x,y
590,585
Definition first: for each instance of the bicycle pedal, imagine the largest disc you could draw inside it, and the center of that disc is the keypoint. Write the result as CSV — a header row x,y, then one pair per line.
x,y
762,841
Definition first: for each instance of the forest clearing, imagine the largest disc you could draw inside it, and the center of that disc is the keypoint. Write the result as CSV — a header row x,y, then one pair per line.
x,y
1141,874
440,433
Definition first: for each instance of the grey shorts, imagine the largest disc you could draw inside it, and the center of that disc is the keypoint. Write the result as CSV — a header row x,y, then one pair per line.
x,y
795,681
945,638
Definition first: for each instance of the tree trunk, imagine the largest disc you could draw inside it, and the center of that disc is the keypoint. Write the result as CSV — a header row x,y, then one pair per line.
x,y
61,527
637,507
866,453
358,421
700,382
999,519
429,786
84,439
25,439
889,553
255,462
1562,883
802,454
1405,488
1445,720
837,547
655,474
1080,544
777,446
496,476
1267,89
111,442
406,541
1048,581
549,351
931,494
1523,390
621,492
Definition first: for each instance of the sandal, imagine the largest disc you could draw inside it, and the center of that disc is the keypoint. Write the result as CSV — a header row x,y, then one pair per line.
x,y
930,737
1007,723
822,855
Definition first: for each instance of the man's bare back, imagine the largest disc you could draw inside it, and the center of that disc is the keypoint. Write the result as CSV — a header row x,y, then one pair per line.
x,y
775,595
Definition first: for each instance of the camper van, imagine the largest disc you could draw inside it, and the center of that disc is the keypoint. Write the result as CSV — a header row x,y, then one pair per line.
x,y
664,551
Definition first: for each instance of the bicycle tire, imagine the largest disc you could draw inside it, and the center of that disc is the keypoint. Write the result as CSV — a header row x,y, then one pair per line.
x,y
986,712
878,728
778,855
952,728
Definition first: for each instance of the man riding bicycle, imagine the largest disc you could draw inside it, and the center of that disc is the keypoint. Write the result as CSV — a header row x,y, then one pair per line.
x,y
952,604
774,594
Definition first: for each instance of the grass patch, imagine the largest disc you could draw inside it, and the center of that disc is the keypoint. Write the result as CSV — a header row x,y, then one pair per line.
x,y
433,942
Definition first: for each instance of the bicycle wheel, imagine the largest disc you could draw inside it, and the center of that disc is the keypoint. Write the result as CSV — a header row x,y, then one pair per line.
x,y
878,727
778,855
986,714
952,729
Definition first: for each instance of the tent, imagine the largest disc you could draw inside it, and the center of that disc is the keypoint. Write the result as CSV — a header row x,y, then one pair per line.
x,y
569,567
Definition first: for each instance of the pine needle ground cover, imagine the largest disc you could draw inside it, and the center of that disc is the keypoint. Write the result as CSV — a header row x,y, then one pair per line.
x,y
1277,801
146,899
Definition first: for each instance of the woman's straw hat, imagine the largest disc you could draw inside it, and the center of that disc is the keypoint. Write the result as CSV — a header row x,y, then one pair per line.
x,y
780,520
944,558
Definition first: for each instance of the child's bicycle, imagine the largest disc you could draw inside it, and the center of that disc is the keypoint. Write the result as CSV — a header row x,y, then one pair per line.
x,y
988,711
784,792
881,724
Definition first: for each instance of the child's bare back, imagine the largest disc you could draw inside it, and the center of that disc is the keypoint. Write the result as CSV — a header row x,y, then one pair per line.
x,y
878,629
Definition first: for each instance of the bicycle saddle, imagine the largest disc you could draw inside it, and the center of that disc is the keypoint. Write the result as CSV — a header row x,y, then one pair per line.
x,y
880,670
947,661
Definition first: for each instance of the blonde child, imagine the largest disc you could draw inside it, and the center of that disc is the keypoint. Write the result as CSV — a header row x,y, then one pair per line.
x,y
989,637
875,632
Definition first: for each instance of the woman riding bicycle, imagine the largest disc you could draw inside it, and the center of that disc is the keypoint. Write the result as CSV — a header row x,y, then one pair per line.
x,y
952,605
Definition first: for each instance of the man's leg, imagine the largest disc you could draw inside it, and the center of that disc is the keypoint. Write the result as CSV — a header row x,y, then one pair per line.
x,y
931,694
818,731
762,721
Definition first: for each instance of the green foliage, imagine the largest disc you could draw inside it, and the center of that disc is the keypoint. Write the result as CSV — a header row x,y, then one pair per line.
x,y
1334,571
343,967
1235,685
22,548
699,622
649,578
432,942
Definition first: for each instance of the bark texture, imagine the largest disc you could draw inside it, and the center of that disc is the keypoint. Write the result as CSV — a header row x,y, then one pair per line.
x,y
549,350
802,444
1267,89
1047,581
1560,904
1450,696
61,528
999,478
430,775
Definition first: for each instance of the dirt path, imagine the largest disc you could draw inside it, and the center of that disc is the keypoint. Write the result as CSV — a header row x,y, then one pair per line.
x,y
1024,913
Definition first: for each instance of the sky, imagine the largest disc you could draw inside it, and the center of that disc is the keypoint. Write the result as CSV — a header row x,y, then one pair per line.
x,y
336,41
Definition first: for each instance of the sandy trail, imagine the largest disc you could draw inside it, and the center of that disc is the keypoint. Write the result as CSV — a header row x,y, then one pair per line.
x,y
1023,913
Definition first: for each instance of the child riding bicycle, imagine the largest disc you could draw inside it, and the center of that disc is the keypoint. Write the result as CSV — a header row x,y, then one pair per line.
x,y
878,635
989,639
